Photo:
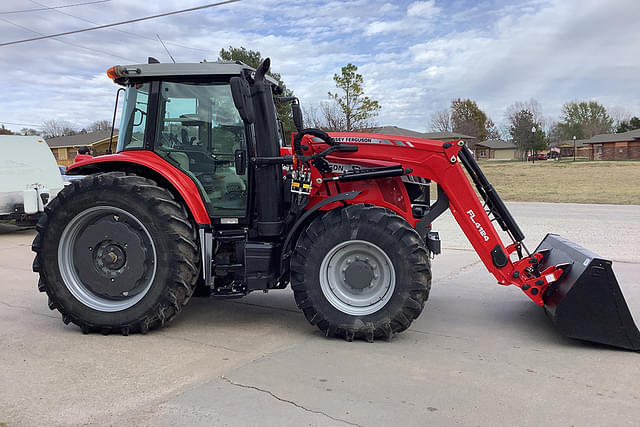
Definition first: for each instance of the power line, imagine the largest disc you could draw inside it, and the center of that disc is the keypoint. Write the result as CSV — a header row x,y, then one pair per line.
x,y
191,9
20,124
54,7
70,43
123,31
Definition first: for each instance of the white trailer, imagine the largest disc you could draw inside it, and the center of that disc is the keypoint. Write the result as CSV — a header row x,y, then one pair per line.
x,y
29,178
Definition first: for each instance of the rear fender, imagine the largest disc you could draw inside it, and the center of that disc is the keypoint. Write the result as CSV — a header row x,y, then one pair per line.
x,y
150,165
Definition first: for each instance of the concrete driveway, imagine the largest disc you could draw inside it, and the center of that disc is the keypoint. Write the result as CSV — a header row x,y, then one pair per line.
x,y
480,354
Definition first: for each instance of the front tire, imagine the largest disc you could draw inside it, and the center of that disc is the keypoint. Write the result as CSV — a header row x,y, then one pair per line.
x,y
360,272
116,253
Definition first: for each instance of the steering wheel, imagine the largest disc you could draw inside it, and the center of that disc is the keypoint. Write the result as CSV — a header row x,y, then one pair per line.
x,y
314,132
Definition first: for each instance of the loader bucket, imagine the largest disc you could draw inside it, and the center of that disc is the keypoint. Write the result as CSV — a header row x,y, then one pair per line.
x,y
586,302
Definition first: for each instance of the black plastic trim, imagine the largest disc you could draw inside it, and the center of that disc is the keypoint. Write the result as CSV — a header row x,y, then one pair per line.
x,y
499,257
435,210
292,232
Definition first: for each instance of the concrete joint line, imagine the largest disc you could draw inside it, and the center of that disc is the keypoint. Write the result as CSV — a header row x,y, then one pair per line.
x,y
289,310
219,347
297,405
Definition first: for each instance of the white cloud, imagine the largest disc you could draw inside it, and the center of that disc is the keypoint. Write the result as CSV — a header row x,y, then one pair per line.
x,y
417,18
415,57
423,9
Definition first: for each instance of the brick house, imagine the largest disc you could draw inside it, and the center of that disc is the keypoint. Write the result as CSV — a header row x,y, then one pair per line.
x,y
566,147
65,148
615,146
495,149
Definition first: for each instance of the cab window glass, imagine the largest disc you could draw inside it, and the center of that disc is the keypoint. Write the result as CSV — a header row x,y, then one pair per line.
x,y
134,117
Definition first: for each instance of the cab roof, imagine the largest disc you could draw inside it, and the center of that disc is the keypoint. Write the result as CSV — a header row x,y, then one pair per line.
x,y
160,70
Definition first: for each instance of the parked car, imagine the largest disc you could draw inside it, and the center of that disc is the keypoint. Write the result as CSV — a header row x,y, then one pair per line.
x,y
29,178
537,156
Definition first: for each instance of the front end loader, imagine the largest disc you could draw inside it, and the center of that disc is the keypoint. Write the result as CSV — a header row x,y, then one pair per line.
x,y
202,193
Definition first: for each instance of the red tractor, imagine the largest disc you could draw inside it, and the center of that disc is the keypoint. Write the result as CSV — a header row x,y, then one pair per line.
x,y
203,193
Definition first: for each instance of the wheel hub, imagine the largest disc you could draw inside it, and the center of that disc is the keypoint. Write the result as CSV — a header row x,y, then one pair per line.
x,y
107,258
357,277
110,258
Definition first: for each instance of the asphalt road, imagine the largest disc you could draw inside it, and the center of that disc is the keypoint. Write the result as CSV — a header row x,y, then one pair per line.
x,y
480,354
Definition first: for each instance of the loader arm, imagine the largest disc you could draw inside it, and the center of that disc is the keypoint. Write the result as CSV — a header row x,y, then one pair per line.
x,y
445,163
577,288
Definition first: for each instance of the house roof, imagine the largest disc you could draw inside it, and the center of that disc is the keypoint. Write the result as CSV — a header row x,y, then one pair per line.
x,y
569,143
395,130
496,144
632,135
80,139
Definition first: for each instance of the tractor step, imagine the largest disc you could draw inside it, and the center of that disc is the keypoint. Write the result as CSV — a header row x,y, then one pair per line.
x,y
229,267
230,235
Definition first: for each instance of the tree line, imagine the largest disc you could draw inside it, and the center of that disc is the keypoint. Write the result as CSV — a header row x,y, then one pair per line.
x,y
526,126
54,128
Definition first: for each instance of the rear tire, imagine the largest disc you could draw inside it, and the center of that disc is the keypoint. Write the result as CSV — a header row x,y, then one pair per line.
x,y
116,253
360,272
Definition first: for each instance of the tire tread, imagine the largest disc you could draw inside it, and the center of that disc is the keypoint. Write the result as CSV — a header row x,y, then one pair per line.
x,y
181,230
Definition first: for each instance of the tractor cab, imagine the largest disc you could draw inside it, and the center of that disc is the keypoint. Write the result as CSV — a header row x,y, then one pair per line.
x,y
186,114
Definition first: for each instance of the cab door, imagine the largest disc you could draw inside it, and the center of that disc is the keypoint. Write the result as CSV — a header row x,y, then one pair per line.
x,y
200,131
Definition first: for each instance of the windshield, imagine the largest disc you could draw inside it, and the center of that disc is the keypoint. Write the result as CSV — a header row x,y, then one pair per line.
x,y
134,117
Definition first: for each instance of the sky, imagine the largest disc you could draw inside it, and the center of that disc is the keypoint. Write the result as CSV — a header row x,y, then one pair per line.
x,y
415,56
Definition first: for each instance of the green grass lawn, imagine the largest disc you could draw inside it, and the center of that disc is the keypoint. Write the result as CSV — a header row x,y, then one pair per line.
x,y
612,182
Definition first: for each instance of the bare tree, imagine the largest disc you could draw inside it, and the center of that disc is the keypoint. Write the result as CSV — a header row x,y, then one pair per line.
x,y
29,131
492,130
326,116
532,106
619,115
100,125
54,128
441,121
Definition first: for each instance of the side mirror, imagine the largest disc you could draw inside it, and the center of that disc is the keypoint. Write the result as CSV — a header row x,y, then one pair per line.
x,y
240,158
241,94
